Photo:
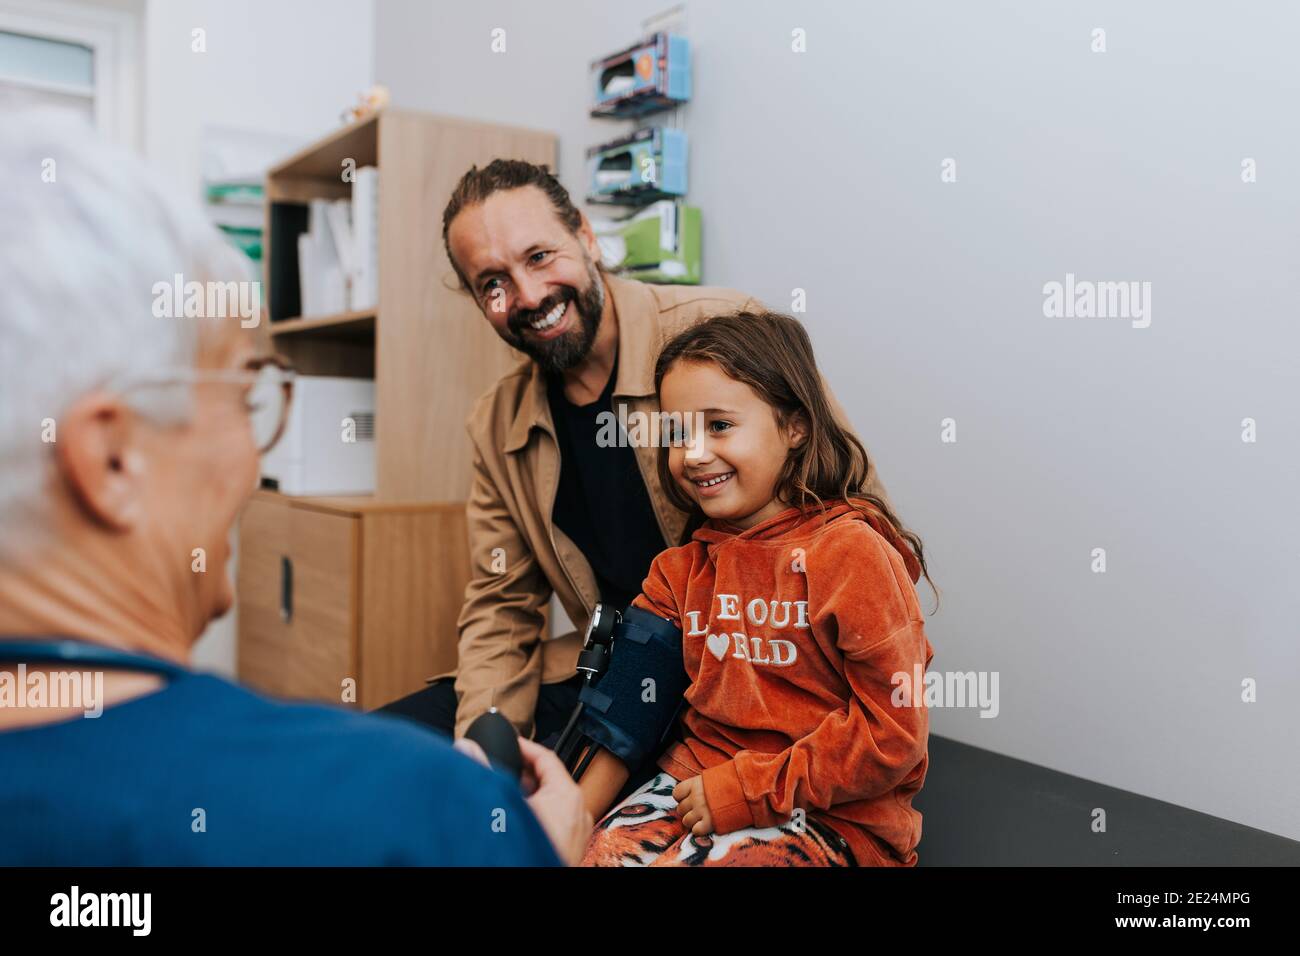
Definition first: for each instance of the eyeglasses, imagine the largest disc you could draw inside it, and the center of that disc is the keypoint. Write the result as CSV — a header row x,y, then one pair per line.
x,y
270,390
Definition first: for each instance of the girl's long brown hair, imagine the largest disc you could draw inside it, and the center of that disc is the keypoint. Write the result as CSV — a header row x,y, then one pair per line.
x,y
772,354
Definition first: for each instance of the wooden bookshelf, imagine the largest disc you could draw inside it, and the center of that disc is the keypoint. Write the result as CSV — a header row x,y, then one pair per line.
x,y
323,159
427,346
342,325
380,577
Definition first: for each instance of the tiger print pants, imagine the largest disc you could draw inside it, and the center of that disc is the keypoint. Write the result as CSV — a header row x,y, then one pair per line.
x,y
645,830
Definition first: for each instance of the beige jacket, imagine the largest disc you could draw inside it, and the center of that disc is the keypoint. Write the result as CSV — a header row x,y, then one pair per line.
x,y
518,558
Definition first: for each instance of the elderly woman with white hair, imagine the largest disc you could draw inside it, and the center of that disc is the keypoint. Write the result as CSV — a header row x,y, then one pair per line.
x,y
129,439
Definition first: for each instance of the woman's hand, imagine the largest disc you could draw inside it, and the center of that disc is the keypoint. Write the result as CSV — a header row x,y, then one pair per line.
x,y
554,798
692,807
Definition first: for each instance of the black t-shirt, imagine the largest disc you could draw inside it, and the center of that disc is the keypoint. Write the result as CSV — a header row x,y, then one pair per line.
x,y
602,503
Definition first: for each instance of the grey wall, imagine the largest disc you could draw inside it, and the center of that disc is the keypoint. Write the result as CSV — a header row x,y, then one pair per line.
x,y
821,171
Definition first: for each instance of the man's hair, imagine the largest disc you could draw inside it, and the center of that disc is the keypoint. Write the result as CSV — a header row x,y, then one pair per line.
x,y
500,174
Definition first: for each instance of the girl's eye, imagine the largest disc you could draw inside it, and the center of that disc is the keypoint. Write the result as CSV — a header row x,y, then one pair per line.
x,y
719,426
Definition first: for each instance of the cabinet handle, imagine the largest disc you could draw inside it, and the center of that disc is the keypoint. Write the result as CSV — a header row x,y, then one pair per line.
x,y
286,589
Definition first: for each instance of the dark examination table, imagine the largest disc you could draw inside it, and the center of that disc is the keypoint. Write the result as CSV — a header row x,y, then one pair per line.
x,y
983,809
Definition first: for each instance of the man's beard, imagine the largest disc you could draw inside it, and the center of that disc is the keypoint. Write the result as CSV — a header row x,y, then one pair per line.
x,y
563,352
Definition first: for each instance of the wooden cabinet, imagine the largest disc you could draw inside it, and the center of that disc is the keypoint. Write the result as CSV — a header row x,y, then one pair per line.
x,y
348,600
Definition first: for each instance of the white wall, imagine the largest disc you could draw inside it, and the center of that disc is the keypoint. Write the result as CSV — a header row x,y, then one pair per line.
x,y
278,67
822,171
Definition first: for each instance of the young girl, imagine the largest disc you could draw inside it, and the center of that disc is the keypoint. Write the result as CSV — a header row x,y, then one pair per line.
x,y
797,608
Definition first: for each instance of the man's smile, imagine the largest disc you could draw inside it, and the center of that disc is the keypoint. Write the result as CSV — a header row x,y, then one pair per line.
x,y
551,324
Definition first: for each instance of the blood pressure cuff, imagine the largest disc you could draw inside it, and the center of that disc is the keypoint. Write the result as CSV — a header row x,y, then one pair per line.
x,y
624,713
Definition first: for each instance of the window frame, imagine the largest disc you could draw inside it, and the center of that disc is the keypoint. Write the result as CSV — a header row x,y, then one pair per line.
x,y
113,36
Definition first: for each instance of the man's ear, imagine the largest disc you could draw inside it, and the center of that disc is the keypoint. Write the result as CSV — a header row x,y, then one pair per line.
x,y
98,457
587,235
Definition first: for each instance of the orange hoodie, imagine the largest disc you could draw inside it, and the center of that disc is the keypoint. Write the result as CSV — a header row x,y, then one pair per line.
x,y
792,631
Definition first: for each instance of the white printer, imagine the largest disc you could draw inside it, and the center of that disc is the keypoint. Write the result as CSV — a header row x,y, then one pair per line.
x,y
328,444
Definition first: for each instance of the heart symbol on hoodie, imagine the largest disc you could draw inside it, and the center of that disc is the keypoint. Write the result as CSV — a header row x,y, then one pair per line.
x,y
718,644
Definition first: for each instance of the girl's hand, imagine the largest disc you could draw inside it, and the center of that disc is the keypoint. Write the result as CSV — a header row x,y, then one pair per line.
x,y
692,807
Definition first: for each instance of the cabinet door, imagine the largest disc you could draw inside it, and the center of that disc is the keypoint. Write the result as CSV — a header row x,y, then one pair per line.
x,y
298,602
415,568
263,541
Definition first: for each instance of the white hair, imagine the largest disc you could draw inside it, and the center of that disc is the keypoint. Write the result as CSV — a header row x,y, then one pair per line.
x,y
87,232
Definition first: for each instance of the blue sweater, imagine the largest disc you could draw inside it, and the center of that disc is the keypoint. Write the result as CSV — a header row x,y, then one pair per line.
x,y
276,784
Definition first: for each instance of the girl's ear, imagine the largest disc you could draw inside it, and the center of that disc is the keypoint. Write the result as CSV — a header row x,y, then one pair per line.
x,y
796,429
